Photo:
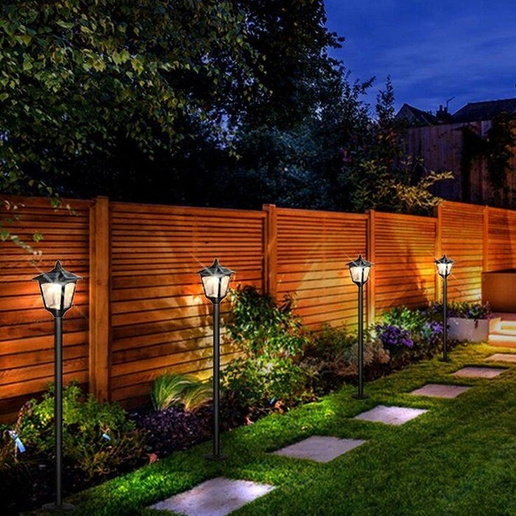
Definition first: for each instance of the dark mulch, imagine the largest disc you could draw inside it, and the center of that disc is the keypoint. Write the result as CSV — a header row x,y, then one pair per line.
x,y
173,429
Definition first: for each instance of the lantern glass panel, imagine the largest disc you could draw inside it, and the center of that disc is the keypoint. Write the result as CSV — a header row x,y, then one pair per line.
x,y
58,296
444,269
359,275
215,287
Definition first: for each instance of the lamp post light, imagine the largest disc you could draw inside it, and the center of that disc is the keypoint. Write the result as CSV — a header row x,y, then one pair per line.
x,y
215,282
359,271
444,266
57,289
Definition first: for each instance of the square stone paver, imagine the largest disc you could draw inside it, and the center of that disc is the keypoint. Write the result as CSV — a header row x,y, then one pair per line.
x,y
479,372
503,357
319,448
440,391
390,415
215,497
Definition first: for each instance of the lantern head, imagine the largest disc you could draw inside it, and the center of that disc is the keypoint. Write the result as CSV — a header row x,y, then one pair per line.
x,y
359,270
57,289
444,266
215,281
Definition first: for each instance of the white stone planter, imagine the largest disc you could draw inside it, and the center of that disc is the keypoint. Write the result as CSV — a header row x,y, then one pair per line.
x,y
471,330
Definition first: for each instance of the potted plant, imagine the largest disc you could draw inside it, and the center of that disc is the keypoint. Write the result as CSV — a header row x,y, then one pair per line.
x,y
471,322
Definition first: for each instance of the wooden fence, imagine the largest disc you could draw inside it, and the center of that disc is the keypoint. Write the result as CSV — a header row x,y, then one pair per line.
x,y
139,310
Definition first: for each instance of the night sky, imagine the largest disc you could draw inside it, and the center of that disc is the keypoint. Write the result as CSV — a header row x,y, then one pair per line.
x,y
433,50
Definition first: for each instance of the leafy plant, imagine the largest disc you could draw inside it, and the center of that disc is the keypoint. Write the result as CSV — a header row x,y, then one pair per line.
x,y
271,339
98,438
260,326
332,354
409,334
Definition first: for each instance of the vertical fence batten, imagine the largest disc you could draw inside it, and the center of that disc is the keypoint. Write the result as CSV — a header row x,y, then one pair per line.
x,y
140,311
485,240
371,256
271,250
100,302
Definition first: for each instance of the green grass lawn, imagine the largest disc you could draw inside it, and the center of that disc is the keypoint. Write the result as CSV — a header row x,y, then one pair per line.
x,y
457,459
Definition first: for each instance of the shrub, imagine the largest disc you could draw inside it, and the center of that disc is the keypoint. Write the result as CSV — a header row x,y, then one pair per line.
x,y
409,334
463,310
174,389
260,326
271,340
98,438
332,354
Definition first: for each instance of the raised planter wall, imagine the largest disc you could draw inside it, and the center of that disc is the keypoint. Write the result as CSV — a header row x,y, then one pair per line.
x,y
471,330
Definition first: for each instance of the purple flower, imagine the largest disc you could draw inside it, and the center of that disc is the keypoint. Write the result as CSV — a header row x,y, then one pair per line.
x,y
393,336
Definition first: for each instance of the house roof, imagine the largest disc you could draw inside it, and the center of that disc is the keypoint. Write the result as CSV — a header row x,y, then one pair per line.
x,y
477,111
415,116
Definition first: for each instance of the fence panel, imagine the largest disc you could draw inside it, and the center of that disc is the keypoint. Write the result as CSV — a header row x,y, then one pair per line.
x,y
313,249
160,319
462,239
147,314
26,329
404,260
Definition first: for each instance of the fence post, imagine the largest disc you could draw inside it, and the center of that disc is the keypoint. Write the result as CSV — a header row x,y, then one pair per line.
x,y
438,249
271,250
485,243
99,329
371,256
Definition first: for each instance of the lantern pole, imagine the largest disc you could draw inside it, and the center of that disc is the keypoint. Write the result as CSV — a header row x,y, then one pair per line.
x,y
58,299
359,271
215,280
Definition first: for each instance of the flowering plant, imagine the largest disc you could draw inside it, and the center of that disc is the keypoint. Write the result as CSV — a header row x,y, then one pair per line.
x,y
463,310
394,336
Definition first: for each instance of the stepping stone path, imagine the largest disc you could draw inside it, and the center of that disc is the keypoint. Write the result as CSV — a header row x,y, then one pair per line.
x,y
215,497
221,496
390,415
320,448
440,391
479,372
503,357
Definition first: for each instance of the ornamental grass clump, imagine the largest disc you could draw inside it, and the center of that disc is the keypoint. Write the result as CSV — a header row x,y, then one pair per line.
x,y
180,389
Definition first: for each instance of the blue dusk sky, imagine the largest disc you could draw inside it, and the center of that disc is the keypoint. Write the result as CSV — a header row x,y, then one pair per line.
x,y
433,50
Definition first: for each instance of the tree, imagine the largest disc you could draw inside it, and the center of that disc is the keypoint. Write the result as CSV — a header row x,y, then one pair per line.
x,y
81,79
378,172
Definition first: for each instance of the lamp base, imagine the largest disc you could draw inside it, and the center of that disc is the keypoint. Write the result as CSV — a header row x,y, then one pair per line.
x,y
443,359
215,458
359,396
52,507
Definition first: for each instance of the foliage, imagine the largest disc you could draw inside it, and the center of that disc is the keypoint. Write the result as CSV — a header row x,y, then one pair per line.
x,y
174,389
394,336
82,79
409,334
379,173
463,309
332,355
271,340
97,437
262,327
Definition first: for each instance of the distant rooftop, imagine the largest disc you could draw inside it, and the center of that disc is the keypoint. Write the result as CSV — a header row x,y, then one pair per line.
x,y
415,116
477,111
